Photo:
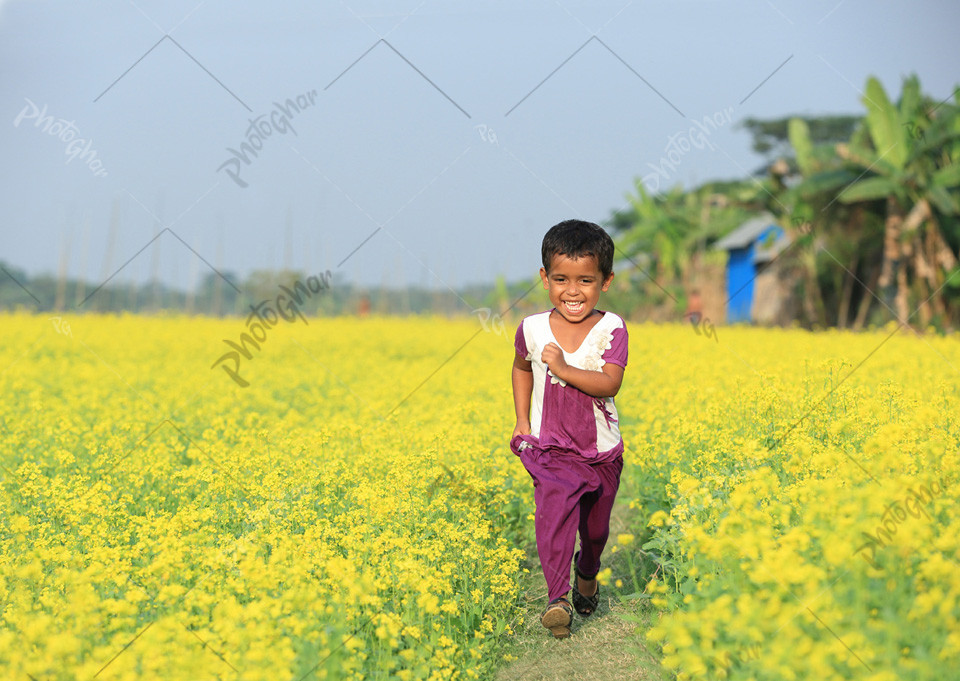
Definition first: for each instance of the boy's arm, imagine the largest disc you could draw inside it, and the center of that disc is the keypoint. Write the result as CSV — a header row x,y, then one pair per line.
x,y
522,390
605,383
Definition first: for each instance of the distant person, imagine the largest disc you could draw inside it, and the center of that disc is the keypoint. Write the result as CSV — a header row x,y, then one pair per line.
x,y
568,366
363,308
694,311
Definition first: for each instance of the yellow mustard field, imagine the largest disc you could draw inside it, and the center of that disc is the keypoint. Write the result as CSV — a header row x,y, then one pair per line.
x,y
161,522
801,494
338,500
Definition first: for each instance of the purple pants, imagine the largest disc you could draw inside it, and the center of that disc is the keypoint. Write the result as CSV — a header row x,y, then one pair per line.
x,y
571,493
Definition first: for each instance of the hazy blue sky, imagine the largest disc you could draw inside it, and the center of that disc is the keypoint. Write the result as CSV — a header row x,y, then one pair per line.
x,y
427,152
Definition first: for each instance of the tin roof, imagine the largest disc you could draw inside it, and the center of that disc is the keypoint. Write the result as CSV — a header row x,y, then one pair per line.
x,y
768,249
746,233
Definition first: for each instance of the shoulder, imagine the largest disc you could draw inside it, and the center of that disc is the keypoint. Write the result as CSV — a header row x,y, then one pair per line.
x,y
531,331
614,335
612,321
537,320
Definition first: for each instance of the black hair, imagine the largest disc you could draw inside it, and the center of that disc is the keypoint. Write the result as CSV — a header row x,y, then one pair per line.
x,y
577,239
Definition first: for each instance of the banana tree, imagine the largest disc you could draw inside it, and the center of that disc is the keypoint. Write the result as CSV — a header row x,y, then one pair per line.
x,y
837,244
901,164
908,158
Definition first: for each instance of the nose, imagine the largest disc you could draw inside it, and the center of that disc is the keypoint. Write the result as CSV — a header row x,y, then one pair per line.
x,y
572,288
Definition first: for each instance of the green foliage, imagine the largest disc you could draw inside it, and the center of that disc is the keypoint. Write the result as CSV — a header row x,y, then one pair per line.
x,y
885,125
860,197
799,133
771,137
666,234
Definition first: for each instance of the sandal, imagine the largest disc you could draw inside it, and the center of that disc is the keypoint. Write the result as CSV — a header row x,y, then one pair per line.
x,y
557,617
585,605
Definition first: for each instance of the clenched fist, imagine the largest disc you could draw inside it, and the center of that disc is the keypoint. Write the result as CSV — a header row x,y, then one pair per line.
x,y
553,357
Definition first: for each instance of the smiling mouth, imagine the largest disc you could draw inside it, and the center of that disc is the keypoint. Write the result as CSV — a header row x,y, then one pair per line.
x,y
573,307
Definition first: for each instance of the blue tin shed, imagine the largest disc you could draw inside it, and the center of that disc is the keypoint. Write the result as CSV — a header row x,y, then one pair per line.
x,y
749,247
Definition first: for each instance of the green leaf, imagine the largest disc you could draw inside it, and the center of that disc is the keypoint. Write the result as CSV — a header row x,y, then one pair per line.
x,y
952,280
943,200
830,181
869,189
910,99
799,134
886,129
636,595
948,176
871,160
937,137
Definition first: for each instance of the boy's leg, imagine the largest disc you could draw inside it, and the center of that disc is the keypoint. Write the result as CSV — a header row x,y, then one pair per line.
x,y
559,482
595,511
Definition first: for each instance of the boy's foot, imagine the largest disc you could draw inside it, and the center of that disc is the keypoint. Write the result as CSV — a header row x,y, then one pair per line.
x,y
585,595
586,590
587,587
557,617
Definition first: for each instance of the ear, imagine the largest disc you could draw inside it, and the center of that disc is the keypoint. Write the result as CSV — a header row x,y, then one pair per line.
x,y
543,278
607,282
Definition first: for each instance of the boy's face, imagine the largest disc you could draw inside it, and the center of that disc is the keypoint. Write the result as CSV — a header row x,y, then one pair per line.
x,y
574,286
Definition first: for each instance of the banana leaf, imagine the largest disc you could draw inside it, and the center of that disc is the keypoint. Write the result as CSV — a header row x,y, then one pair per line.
x,y
935,137
870,189
886,130
828,181
799,134
943,200
868,159
948,176
911,100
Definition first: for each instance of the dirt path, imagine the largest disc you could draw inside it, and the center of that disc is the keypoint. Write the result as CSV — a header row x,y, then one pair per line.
x,y
599,647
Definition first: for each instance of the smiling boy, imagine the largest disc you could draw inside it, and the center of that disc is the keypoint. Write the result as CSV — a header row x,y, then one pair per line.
x,y
567,369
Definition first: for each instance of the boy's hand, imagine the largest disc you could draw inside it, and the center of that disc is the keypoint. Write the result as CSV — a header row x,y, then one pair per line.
x,y
521,429
553,357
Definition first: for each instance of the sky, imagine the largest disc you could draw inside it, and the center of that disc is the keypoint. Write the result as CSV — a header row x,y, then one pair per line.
x,y
424,142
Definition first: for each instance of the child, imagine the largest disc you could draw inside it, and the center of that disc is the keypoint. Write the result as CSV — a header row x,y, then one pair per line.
x,y
568,367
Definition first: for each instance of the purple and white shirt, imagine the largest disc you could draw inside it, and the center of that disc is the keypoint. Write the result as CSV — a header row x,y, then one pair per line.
x,y
561,415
